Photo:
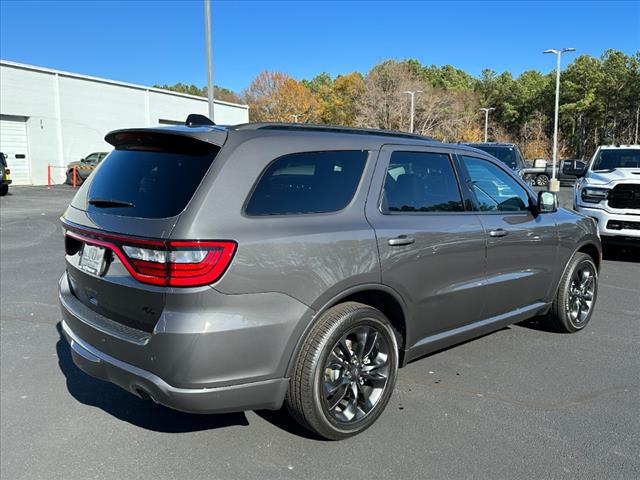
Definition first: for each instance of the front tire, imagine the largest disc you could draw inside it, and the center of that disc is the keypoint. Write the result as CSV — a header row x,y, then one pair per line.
x,y
345,372
576,297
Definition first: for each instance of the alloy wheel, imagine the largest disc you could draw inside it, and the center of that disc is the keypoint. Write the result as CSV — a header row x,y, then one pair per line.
x,y
581,292
356,374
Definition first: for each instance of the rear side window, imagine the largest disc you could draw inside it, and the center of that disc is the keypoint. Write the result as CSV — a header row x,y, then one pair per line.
x,y
421,182
308,182
147,184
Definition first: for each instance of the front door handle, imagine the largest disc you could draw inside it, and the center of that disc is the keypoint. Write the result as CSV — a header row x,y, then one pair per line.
x,y
498,232
401,240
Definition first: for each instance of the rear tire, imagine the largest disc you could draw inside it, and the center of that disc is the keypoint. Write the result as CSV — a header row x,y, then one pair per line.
x,y
345,372
4,189
576,297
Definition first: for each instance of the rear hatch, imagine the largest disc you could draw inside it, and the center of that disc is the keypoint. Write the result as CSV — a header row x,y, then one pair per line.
x,y
120,261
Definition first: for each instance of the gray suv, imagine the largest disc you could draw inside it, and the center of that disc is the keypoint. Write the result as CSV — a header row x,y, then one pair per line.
x,y
216,269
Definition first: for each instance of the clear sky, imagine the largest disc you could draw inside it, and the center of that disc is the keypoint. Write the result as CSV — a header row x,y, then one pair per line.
x,y
150,42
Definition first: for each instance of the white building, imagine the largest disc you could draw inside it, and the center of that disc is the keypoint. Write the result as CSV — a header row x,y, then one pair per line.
x,y
54,117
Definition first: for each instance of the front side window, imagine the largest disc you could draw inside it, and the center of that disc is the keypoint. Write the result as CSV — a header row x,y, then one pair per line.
x,y
308,182
495,189
421,182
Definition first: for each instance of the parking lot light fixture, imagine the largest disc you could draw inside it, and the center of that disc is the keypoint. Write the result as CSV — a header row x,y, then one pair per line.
x,y
486,111
554,184
412,94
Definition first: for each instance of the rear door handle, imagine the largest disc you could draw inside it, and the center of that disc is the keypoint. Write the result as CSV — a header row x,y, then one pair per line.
x,y
401,240
498,232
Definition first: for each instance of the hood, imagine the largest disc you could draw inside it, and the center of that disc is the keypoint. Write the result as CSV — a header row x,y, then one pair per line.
x,y
619,174
76,163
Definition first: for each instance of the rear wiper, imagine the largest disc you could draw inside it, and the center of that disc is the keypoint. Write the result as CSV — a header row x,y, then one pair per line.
x,y
109,203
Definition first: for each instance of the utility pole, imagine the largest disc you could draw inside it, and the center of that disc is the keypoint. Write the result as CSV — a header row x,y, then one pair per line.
x,y
554,184
412,94
486,122
207,30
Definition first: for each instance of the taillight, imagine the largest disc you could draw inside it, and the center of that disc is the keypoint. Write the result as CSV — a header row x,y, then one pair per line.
x,y
176,263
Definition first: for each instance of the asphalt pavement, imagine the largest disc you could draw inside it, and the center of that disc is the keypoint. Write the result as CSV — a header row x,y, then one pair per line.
x,y
522,402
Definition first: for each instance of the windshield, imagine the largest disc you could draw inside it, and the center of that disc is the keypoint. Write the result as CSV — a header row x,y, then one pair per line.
x,y
617,158
506,155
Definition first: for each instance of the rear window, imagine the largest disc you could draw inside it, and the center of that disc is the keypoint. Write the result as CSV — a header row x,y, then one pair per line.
x,y
147,184
309,182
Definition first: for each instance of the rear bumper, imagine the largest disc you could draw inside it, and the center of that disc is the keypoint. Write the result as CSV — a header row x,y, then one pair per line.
x,y
209,352
268,394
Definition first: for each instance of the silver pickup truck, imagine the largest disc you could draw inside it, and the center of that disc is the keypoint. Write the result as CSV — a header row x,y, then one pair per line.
x,y
608,190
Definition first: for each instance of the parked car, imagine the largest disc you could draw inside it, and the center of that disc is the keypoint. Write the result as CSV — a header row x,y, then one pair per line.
x,y
303,265
542,175
84,167
608,190
6,180
507,153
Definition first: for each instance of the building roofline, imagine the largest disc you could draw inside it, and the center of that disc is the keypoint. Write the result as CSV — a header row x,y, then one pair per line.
x,y
52,71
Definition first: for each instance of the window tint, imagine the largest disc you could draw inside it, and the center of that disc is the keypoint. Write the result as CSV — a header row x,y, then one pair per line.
x,y
421,182
494,188
309,182
157,184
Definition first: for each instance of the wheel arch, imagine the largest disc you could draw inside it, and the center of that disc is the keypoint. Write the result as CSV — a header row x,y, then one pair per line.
x,y
379,296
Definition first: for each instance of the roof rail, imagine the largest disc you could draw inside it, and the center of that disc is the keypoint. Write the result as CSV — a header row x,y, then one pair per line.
x,y
197,120
327,128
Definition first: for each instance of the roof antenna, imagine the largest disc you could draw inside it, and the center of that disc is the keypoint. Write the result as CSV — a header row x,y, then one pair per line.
x,y
196,120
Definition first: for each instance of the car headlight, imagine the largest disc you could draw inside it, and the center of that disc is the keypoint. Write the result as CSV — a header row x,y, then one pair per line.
x,y
594,195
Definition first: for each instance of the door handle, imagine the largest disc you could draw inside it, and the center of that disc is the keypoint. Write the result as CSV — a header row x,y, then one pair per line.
x,y
498,232
401,240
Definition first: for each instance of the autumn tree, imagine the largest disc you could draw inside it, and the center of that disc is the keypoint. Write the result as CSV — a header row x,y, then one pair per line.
x,y
276,97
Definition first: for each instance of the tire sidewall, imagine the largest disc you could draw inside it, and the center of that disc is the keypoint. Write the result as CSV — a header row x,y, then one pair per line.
x,y
577,263
365,316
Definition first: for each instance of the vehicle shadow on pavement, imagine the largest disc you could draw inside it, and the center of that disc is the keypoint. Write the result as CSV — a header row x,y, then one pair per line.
x,y
621,254
129,408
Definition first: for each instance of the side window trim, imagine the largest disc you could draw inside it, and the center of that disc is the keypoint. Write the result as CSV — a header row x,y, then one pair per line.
x,y
500,166
453,161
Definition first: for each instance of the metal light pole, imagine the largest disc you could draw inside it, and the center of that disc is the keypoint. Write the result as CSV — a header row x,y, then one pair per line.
x,y
207,29
413,104
554,184
486,121
637,118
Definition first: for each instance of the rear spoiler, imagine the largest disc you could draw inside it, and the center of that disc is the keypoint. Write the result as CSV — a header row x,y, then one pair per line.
x,y
179,138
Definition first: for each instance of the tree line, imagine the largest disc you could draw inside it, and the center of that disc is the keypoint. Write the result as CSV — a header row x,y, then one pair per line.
x,y
599,102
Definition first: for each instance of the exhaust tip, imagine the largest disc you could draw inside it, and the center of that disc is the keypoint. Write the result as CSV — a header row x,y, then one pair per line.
x,y
143,394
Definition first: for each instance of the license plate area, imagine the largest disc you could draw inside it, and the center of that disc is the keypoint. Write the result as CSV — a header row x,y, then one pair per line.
x,y
92,259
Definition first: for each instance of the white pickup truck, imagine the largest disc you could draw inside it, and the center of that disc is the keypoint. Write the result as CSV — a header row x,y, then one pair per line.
x,y
608,189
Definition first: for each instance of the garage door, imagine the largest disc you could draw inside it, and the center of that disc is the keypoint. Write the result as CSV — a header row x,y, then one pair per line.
x,y
13,143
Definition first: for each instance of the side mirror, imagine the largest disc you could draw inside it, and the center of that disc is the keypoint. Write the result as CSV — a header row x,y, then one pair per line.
x,y
547,202
575,169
